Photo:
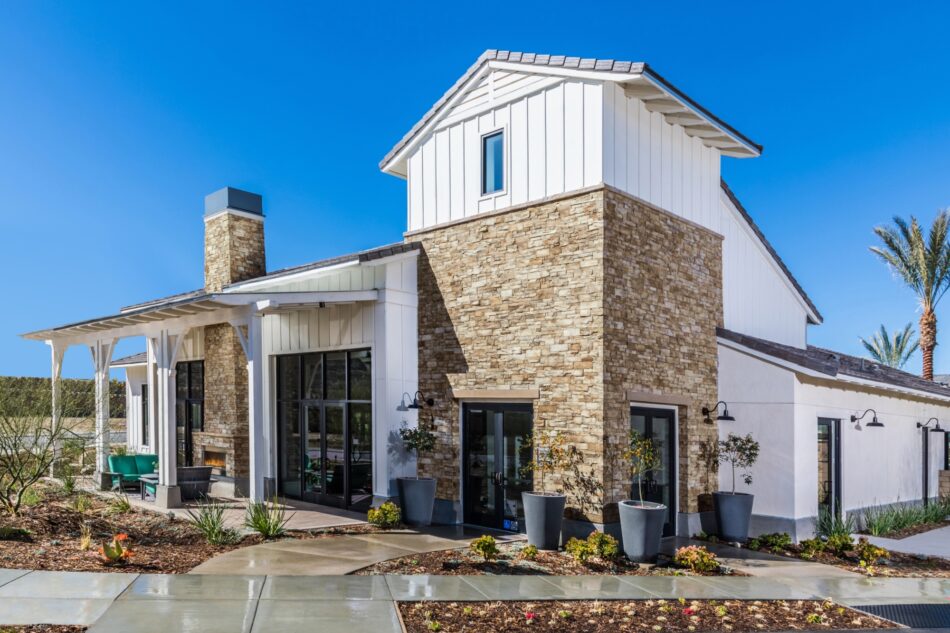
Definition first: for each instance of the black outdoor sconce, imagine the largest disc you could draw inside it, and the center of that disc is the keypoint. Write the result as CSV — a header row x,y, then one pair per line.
x,y
935,429
419,400
724,417
874,421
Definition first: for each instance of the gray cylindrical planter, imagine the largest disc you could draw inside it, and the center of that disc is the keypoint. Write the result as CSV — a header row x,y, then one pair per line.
x,y
641,525
417,498
733,514
543,515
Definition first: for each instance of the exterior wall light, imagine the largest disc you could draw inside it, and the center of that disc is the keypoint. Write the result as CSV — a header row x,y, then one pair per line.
x,y
874,421
418,400
935,429
724,417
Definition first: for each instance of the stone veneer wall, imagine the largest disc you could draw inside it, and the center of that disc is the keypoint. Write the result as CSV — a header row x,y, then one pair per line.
x,y
582,298
234,251
944,483
663,278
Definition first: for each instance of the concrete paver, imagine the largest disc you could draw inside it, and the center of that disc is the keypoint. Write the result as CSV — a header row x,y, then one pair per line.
x,y
306,616
870,590
75,585
7,575
746,588
932,543
21,610
325,588
598,587
424,587
671,587
516,587
168,586
182,616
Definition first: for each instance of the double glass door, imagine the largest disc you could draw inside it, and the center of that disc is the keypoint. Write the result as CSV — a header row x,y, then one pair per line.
x,y
189,408
496,450
326,428
659,485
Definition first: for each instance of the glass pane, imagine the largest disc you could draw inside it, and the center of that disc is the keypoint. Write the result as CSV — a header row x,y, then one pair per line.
x,y
181,380
312,377
145,414
195,415
335,447
289,420
196,371
288,377
181,413
313,457
480,468
361,376
493,163
659,480
336,376
824,464
361,454
517,454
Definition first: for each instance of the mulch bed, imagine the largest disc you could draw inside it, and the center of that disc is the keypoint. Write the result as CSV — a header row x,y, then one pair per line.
x,y
590,616
899,565
462,562
916,529
42,628
160,543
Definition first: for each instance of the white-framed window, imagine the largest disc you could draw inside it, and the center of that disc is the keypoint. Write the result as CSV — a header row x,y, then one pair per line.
x,y
493,162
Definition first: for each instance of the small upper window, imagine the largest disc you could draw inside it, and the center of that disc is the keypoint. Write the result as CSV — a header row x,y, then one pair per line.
x,y
493,162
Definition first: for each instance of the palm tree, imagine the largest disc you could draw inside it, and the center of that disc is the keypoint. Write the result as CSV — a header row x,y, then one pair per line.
x,y
892,351
924,265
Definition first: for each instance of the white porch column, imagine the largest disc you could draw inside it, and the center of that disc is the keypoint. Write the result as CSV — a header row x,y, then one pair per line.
x,y
57,351
165,348
258,447
101,358
151,383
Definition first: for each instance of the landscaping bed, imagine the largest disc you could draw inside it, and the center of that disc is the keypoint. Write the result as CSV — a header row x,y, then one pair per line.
x,y
42,628
510,560
591,616
53,539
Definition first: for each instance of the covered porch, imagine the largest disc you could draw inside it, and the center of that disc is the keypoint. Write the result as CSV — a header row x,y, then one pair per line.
x,y
165,325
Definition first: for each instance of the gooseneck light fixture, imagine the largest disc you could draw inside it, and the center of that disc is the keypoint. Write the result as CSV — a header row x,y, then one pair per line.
x,y
935,429
418,400
874,421
723,417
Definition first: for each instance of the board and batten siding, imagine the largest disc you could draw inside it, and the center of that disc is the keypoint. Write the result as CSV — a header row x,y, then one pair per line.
x,y
332,327
553,144
658,162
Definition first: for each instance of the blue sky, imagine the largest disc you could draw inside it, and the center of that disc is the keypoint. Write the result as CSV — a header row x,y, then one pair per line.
x,y
117,118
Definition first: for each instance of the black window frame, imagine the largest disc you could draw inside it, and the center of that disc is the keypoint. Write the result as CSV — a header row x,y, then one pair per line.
x,y
484,163
145,419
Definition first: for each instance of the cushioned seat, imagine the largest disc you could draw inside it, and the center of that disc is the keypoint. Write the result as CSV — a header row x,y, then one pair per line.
x,y
126,469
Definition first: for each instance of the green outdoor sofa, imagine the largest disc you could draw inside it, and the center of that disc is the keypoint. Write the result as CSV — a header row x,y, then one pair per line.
x,y
127,469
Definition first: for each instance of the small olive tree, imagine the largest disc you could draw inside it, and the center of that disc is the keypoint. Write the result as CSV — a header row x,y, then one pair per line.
x,y
643,457
740,452
417,439
549,453
28,440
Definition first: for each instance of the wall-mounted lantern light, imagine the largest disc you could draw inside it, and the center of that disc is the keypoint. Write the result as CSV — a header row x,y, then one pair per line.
x,y
935,429
874,421
723,417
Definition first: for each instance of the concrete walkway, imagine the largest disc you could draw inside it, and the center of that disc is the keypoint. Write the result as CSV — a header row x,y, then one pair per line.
x,y
130,603
932,543
339,554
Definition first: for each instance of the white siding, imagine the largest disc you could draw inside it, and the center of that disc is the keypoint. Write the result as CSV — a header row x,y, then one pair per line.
x,y
647,157
332,327
135,377
193,347
758,299
553,144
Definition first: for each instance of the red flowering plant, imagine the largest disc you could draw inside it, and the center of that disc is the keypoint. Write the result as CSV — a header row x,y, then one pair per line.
x,y
530,615
116,552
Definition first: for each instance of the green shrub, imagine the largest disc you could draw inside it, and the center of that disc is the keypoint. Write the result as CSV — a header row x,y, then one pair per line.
x,y
267,518
31,497
604,546
82,503
579,549
776,542
810,548
120,504
8,533
830,525
387,515
486,547
209,520
696,558
68,476
839,544
869,553
529,552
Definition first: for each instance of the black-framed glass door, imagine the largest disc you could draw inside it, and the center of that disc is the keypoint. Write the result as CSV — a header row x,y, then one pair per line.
x,y
495,449
189,408
659,486
829,465
325,424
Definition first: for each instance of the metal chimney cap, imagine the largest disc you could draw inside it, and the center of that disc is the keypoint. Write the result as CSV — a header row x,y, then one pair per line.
x,y
233,199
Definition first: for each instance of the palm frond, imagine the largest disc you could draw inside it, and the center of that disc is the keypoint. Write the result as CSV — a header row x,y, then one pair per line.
x,y
892,350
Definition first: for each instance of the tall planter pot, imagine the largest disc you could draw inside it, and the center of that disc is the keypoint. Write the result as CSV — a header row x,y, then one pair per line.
x,y
417,498
543,516
641,525
733,515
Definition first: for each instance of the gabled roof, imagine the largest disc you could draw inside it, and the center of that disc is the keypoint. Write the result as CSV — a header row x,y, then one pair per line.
x,y
129,361
834,364
814,318
641,79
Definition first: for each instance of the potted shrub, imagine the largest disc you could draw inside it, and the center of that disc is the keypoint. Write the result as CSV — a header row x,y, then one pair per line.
x,y
544,511
417,494
734,509
641,522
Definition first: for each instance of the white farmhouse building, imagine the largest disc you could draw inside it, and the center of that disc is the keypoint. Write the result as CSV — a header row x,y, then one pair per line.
x,y
572,262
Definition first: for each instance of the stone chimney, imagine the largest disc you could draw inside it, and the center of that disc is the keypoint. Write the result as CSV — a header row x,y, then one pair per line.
x,y
234,237
234,251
